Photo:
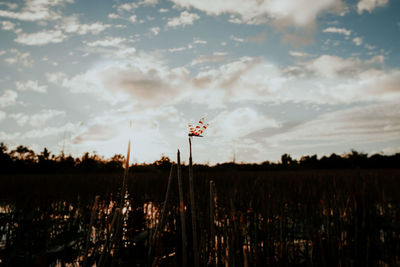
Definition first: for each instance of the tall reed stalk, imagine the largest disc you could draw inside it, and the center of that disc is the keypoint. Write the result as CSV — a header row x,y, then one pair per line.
x,y
162,218
193,208
94,209
212,224
182,212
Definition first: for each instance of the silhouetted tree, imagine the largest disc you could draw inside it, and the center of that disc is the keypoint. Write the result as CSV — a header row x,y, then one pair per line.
x,y
23,153
23,159
163,163
115,163
356,159
309,162
286,159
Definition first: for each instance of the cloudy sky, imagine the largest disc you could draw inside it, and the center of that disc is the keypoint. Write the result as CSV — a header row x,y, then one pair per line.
x,y
270,76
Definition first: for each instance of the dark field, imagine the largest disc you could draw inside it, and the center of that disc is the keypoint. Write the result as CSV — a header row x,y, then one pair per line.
x,y
274,218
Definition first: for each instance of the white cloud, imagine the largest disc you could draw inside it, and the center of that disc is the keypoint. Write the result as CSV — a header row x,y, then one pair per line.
x,y
19,58
31,86
73,25
338,30
177,49
372,123
9,137
147,81
155,30
9,5
369,47
163,10
20,118
51,131
40,38
132,18
8,98
185,18
7,25
55,77
332,66
254,11
113,16
143,78
358,41
37,10
215,57
3,115
240,122
199,41
2,52
369,5
148,2
237,39
107,42
235,19
325,80
297,54
38,120
127,7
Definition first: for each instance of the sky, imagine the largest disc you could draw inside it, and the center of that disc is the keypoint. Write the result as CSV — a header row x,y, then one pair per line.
x,y
270,76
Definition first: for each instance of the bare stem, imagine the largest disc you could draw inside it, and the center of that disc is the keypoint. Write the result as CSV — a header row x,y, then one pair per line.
x,y
182,212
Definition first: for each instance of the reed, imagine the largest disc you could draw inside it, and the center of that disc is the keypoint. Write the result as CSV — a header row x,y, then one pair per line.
x,y
193,207
212,224
308,218
162,218
182,212
89,231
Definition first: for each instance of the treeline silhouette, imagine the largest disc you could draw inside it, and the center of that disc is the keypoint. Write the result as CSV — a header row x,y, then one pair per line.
x,y
22,159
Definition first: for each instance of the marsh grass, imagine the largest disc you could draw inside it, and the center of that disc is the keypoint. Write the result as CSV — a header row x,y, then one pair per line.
x,y
282,218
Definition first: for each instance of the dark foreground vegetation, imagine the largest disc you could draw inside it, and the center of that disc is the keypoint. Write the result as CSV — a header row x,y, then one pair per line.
x,y
247,216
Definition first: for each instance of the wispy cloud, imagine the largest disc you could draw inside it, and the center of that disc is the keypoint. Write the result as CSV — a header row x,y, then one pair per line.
x,y
155,30
9,5
107,42
370,5
37,119
7,25
40,38
72,25
36,10
177,49
239,123
185,18
40,119
3,115
253,12
338,30
237,39
215,57
8,98
358,41
297,54
19,58
51,131
31,86
373,123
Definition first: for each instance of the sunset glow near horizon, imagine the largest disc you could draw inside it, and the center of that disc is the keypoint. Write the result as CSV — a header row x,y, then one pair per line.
x,y
271,77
